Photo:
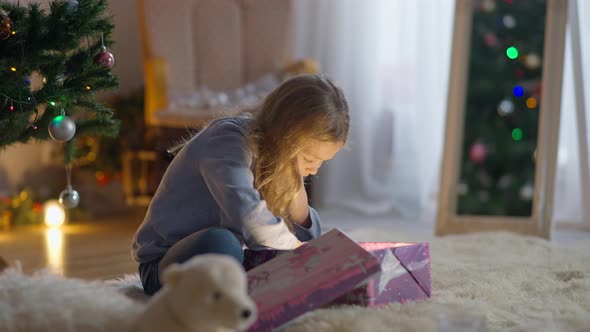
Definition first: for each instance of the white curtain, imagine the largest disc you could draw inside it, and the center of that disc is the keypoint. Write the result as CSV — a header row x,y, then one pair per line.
x,y
568,203
392,57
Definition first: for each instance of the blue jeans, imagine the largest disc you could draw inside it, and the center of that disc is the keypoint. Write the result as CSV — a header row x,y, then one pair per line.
x,y
210,240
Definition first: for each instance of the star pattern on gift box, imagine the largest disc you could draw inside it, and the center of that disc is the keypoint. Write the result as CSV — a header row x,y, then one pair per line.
x,y
390,269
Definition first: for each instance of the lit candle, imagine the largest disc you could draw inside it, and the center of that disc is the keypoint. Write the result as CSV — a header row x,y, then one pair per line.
x,y
54,213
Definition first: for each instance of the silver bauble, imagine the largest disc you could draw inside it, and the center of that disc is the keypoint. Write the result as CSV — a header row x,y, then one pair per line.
x,y
69,198
62,128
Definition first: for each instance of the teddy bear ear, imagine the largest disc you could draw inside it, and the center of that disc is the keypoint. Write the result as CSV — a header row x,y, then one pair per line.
x,y
172,274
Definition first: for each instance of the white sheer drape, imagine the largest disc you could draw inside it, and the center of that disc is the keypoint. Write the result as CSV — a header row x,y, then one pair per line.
x,y
568,190
392,59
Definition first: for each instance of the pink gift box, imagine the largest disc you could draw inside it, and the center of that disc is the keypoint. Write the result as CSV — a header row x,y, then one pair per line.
x,y
334,269
307,278
405,275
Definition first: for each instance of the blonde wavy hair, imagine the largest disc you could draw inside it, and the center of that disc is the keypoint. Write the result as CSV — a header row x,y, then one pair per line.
x,y
301,108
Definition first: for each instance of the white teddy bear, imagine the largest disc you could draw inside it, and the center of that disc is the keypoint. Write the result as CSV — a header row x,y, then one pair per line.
x,y
207,293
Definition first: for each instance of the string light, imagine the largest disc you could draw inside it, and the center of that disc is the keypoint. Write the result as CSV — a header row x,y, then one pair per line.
x,y
13,68
512,52
509,21
52,103
518,91
88,87
517,134
531,102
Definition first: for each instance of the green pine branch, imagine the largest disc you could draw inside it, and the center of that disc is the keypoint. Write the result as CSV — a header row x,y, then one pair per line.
x,y
57,46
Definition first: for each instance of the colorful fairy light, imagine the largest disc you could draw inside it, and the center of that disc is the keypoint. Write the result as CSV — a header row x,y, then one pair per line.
x,y
518,91
531,102
13,68
517,134
509,21
512,52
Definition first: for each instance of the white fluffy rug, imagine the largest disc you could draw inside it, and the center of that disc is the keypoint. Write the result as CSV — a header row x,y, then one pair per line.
x,y
503,281
510,282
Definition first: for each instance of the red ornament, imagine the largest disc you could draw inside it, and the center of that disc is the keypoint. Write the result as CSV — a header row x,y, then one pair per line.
x,y
478,152
104,58
5,27
490,39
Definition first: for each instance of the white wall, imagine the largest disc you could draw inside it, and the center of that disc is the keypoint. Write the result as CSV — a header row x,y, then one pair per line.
x,y
18,159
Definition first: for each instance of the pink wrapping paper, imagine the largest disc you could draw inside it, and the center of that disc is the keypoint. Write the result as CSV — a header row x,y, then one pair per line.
x,y
306,278
405,275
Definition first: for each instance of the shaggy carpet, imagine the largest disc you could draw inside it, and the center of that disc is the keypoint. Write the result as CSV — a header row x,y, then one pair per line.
x,y
493,282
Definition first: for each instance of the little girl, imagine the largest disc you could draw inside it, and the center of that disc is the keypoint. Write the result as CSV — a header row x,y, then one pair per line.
x,y
240,180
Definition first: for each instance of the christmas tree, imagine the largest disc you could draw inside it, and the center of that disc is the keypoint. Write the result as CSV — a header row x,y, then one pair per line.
x,y
502,110
52,64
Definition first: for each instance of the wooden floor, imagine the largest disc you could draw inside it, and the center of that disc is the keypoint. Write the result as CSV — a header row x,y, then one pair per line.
x,y
101,249
98,249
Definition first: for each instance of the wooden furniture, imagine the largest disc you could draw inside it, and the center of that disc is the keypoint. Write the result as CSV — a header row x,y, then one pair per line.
x,y
137,179
218,44
187,45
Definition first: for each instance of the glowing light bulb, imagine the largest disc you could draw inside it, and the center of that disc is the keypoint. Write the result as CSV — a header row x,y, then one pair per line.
x,y
13,68
517,134
518,91
54,213
531,102
512,52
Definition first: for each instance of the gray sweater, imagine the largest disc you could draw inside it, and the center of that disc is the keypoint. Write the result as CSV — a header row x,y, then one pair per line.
x,y
210,184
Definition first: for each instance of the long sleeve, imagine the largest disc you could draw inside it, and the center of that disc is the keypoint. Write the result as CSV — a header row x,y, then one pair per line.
x,y
306,234
225,167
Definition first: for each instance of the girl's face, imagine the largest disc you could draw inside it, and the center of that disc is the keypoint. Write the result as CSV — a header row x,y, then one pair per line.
x,y
314,154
